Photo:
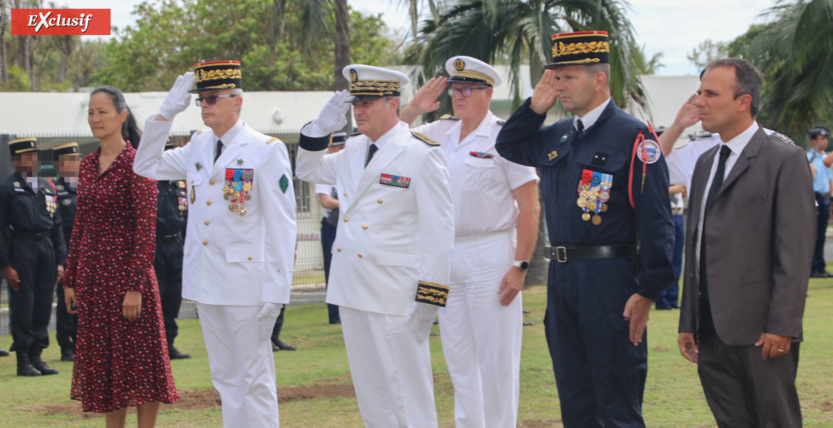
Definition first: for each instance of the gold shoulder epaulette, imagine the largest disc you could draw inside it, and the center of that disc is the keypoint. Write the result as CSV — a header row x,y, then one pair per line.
x,y
424,139
783,138
199,132
449,117
269,141
355,134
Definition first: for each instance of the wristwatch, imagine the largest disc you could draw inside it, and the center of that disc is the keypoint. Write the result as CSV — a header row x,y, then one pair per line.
x,y
521,264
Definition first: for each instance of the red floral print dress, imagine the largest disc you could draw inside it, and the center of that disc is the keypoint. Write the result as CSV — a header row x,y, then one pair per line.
x,y
118,363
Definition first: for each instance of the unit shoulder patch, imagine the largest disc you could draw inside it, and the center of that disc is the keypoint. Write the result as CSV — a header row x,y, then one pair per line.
x,y
425,139
783,138
449,117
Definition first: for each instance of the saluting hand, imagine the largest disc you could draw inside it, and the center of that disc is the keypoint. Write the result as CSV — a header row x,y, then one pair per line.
x,y
178,98
688,114
12,277
545,94
132,306
333,116
425,99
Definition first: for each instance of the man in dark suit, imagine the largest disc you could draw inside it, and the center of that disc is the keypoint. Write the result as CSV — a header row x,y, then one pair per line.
x,y
749,242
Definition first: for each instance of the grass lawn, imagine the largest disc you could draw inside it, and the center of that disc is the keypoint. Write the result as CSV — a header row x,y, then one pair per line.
x,y
315,390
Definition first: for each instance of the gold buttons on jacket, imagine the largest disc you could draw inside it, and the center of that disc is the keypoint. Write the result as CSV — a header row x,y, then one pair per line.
x,y
208,202
345,219
345,193
211,182
338,249
250,258
364,226
205,242
379,201
206,222
360,255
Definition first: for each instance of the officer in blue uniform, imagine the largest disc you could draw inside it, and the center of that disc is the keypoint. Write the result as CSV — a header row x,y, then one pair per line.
x,y
32,254
822,189
605,188
68,163
171,220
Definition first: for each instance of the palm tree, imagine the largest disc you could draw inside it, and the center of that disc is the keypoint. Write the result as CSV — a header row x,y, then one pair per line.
x,y
517,31
795,53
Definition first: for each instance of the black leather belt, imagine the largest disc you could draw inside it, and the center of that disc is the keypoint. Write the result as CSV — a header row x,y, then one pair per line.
x,y
39,236
169,238
563,254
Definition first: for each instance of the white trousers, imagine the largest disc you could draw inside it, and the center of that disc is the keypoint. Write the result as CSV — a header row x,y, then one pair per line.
x,y
242,364
391,370
482,339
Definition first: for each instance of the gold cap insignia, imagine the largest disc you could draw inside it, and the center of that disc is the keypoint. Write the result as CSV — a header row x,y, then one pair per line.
x,y
354,77
459,64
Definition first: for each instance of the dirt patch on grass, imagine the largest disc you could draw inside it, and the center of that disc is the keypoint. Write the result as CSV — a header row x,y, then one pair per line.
x,y
192,399
540,424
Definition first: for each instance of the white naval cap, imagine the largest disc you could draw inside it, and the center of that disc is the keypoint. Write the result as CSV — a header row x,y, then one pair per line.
x,y
368,82
465,69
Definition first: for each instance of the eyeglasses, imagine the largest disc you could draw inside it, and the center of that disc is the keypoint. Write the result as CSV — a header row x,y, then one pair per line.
x,y
466,92
211,99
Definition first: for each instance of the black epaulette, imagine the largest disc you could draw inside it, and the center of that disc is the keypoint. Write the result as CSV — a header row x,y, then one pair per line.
x,y
701,135
424,139
783,138
449,117
355,134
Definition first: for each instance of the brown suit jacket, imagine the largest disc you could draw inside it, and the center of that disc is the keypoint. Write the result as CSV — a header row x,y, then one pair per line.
x,y
760,233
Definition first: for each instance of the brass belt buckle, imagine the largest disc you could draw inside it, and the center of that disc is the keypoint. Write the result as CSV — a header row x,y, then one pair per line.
x,y
561,254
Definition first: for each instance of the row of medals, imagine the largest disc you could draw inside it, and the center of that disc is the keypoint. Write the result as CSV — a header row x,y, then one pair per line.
x,y
238,198
589,203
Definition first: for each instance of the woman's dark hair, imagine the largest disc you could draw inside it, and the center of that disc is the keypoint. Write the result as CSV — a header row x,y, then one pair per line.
x,y
129,130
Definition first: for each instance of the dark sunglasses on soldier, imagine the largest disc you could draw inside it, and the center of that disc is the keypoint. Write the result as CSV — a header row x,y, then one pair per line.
x,y
211,99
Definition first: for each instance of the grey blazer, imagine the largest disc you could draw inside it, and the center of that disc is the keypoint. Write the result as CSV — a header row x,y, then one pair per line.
x,y
760,233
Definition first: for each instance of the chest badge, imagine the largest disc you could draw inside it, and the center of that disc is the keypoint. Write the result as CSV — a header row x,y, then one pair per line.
x,y
395,180
481,155
198,166
236,189
553,154
593,194
240,161
564,138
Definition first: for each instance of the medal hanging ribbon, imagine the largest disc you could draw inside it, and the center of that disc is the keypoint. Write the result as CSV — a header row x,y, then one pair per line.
x,y
236,189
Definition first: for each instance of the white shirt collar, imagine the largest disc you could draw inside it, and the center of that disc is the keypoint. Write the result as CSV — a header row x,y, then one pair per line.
x,y
230,135
740,141
592,116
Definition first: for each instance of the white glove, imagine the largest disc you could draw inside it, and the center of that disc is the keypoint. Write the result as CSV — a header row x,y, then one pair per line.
x,y
421,319
333,116
267,316
178,98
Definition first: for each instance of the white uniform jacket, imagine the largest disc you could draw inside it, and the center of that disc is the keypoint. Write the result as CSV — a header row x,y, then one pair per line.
x,y
396,225
229,259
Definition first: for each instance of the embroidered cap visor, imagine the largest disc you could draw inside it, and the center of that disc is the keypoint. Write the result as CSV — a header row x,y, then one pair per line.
x,y
368,82
22,145
580,48
217,75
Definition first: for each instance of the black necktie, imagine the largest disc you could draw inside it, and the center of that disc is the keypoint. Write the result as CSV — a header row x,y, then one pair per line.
x,y
717,182
219,150
725,151
370,152
580,125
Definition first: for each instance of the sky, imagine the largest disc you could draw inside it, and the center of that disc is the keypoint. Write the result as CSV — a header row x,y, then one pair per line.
x,y
673,27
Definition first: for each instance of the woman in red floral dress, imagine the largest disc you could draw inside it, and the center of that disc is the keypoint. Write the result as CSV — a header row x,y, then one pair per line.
x,y
121,353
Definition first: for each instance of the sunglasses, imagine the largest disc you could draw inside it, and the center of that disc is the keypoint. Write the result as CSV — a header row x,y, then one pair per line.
x,y
466,92
210,99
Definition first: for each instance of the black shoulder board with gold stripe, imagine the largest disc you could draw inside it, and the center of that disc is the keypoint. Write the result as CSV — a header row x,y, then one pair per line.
x,y
702,135
449,117
355,134
783,138
424,139
432,293
271,140
501,122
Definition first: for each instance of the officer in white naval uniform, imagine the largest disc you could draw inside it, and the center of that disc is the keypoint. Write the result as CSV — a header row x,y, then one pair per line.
x,y
392,253
240,238
495,223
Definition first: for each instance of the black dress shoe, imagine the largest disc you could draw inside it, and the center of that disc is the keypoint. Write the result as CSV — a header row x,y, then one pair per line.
x,y
817,274
283,346
25,367
41,366
67,354
275,348
528,323
526,311
4,353
174,354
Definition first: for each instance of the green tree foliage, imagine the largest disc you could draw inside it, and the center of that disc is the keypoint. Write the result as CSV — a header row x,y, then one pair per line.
x,y
520,31
795,53
171,36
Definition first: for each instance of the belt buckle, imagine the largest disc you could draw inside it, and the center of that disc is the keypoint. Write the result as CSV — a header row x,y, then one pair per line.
x,y
561,254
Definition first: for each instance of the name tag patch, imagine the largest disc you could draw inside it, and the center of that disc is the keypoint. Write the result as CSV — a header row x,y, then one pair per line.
x,y
395,180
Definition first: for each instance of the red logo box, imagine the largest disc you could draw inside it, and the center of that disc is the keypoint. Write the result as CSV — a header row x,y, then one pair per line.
x,y
60,22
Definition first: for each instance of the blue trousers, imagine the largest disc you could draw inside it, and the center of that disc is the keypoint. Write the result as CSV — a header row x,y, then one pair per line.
x,y
328,235
821,231
668,298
